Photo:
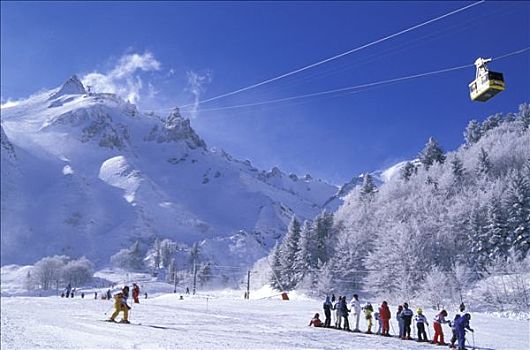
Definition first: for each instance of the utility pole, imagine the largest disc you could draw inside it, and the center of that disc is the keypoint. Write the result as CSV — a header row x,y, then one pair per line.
x,y
248,284
194,275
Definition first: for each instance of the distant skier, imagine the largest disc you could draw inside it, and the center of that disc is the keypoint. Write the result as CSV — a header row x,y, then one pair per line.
x,y
187,290
421,321
368,309
109,296
384,314
120,304
146,295
406,315
95,295
315,321
401,322
327,311
68,290
136,293
333,298
454,338
462,307
438,332
461,325
82,295
356,308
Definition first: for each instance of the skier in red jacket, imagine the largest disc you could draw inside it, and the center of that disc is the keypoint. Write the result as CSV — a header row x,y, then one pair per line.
x,y
384,314
136,293
315,321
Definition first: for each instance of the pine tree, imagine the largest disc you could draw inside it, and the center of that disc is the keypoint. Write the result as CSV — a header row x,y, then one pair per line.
x,y
524,116
289,251
518,207
407,171
457,167
305,259
431,153
484,163
473,132
497,229
368,187
276,268
322,238
478,240
491,123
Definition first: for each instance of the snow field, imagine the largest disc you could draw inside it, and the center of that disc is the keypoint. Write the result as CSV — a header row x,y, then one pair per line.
x,y
219,320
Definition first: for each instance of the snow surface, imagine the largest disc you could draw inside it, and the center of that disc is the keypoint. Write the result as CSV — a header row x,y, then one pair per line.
x,y
212,320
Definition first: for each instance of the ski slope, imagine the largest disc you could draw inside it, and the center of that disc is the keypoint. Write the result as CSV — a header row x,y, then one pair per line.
x,y
217,320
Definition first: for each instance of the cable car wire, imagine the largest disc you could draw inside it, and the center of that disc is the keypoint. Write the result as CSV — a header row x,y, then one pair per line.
x,y
332,58
360,86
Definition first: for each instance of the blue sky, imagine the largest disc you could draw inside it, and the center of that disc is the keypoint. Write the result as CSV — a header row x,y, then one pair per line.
x,y
148,51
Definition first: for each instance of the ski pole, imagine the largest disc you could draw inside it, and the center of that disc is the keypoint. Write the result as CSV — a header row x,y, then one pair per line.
x,y
428,332
473,335
106,312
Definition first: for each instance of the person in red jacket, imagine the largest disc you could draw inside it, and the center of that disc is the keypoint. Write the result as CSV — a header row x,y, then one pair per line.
x,y
315,321
384,314
439,320
136,293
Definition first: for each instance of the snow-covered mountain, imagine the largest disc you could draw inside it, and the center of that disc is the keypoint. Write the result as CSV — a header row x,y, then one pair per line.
x,y
88,174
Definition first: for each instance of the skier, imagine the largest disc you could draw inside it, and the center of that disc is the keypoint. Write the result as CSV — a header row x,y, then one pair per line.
x,y
379,323
421,321
462,307
338,313
136,293
454,338
68,290
344,312
356,308
438,332
82,295
333,298
384,314
95,295
187,290
368,309
401,322
120,304
146,295
461,325
327,311
406,315
315,321
109,296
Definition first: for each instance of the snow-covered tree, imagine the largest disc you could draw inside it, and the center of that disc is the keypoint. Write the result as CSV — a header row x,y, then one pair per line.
x,y
129,259
431,153
473,132
518,210
289,251
48,271
78,272
484,163
407,171
368,187
497,229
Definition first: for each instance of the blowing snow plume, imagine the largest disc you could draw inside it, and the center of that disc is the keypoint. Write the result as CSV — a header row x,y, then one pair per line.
x,y
196,83
124,79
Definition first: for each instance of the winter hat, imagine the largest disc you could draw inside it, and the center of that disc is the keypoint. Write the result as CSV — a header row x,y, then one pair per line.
x,y
443,312
406,305
356,296
419,311
468,316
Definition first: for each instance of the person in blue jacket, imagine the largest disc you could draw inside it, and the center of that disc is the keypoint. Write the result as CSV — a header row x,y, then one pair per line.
x,y
327,311
461,325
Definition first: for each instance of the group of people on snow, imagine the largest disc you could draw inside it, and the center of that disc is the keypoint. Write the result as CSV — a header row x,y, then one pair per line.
x,y
404,316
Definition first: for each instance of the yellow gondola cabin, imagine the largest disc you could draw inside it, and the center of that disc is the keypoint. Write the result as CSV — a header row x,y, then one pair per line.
x,y
487,83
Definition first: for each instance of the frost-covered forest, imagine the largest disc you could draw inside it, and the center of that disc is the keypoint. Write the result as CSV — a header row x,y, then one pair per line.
x,y
450,222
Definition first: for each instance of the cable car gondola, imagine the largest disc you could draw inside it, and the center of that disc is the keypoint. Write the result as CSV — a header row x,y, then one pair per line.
x,y
487,83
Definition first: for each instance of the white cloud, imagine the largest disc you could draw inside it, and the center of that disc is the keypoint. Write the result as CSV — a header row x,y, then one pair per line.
x,y
124,79
196,83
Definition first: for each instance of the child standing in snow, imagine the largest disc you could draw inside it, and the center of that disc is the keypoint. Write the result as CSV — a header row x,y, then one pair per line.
x,y
315,321
356,308
461,325
454,338
406,315
120,304
338,314
438,332
327,311
421,321
384,314
368,309
379,323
